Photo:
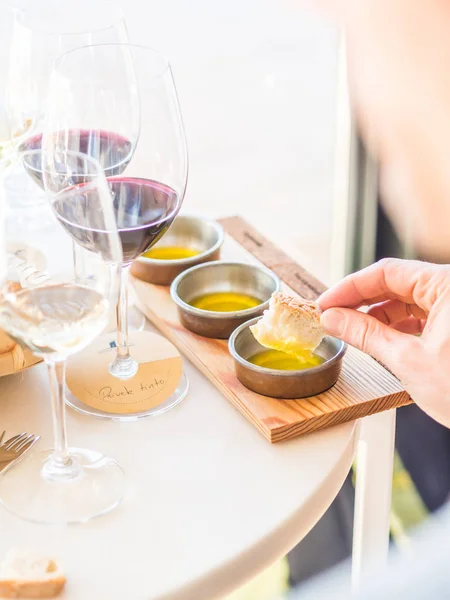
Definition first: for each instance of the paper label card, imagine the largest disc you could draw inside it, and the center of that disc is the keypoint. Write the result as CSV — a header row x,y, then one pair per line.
x,y
160,371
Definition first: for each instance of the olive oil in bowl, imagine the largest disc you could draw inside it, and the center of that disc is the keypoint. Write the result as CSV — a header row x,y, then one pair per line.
x,y
170,252
281,361
225,302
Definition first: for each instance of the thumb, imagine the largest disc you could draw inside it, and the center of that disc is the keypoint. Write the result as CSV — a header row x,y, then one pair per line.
x,y
367,334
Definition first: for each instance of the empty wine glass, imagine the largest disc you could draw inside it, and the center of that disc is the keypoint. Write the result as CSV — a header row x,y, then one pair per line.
x,y
42,30
149,192
54,313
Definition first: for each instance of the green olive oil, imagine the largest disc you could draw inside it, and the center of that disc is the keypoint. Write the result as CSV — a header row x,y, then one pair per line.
x,y
170,252
225,302
276,359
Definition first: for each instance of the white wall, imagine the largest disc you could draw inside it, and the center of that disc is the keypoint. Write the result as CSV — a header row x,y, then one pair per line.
x,y
257,86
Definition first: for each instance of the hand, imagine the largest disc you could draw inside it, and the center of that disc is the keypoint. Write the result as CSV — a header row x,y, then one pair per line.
x,y
404,298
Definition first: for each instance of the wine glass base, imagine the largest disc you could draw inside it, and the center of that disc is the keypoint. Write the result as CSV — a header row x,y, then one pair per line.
x,y
27,494
158,385
124,369
178,395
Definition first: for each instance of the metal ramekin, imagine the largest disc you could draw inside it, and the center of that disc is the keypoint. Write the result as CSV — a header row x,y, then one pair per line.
x,y
221,276
200,234
284,384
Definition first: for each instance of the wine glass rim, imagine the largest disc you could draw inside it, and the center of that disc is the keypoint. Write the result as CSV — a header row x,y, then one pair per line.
x,y
165,66
22,18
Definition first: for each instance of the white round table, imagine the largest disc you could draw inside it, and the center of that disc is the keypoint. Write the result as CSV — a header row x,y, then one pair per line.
x,y
209,503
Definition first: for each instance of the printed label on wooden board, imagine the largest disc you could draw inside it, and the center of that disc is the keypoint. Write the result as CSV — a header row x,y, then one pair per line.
x,y
291,273
160,371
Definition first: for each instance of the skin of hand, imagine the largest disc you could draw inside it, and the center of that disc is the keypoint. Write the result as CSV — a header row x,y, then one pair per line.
x,y
399,77
404,298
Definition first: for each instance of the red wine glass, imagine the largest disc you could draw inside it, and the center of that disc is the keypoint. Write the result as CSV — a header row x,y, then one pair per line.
x,y
149,186
94,109
43,30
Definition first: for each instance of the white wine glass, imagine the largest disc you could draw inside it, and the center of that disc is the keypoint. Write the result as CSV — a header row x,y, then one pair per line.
x,y
53,312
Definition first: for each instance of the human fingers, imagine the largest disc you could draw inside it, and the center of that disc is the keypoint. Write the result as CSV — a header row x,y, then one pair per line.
x,y
370,335
412,282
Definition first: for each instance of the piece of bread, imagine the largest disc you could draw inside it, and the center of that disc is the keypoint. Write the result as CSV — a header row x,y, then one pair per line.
x,y
290,324
28,574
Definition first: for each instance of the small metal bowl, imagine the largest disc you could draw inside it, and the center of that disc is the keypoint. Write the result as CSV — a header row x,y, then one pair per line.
x,y
221,277
284,384
200,234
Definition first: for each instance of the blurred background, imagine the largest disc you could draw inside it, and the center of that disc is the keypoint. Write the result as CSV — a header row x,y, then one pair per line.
x,y
257,87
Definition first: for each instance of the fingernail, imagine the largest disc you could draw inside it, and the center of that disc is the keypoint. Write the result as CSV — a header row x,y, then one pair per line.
x,y
333,321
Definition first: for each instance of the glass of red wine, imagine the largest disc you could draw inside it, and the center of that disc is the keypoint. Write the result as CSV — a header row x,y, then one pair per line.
x,y
42,30
87,111
148,183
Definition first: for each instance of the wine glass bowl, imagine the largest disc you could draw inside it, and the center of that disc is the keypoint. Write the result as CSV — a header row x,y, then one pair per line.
x,y
94,109
113,151
54,317
40,32
145,210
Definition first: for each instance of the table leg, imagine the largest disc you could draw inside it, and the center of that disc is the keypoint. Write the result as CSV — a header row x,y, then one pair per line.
x,y
374,468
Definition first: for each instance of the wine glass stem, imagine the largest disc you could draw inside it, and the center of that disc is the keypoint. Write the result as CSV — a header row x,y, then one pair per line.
x,y
60,465
123,350
123,366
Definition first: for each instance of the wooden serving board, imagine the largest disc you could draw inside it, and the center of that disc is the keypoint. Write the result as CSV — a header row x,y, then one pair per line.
x,y
363,388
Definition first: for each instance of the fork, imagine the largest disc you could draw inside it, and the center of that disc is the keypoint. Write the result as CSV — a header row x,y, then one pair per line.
x,y
15,447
